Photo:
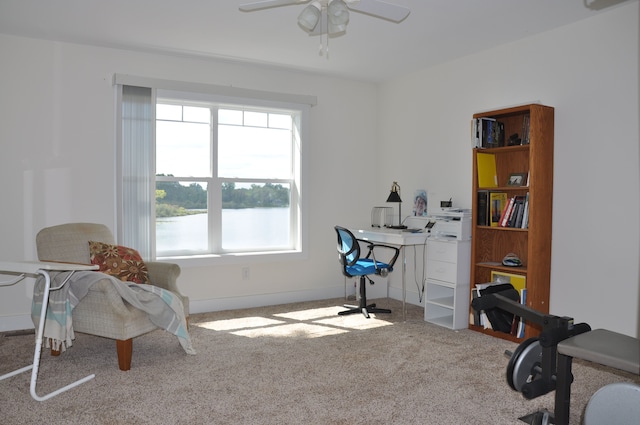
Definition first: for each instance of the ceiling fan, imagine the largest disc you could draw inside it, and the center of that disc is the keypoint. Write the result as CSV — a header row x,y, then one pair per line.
x,y
335,13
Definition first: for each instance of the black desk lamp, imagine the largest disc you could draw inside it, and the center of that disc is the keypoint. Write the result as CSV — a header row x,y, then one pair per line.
x,y
394,196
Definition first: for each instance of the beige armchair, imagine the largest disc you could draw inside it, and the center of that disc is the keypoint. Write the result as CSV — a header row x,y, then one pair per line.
x,y
102,311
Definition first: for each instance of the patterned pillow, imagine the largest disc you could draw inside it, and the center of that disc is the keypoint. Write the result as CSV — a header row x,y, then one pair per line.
x,y
124,263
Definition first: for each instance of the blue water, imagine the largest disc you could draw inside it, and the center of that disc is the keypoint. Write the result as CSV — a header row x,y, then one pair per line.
x,y
242,229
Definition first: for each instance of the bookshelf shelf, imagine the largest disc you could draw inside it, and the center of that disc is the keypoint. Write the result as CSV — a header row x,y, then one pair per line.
x,y
531,241
500,267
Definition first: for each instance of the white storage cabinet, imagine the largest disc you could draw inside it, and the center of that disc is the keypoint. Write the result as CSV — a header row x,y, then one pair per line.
x,y
447,289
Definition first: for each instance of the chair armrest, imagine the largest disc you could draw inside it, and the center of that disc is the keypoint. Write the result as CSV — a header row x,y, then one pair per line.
x,y
165,276
373,246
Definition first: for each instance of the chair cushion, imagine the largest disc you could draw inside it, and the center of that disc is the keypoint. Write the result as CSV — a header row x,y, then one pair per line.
x,y
124,263
366,266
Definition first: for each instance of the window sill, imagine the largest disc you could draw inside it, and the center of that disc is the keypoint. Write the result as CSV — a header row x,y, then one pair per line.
x,y
233,258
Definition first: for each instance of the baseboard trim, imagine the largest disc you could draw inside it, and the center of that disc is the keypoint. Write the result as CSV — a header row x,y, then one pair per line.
x,y
16,323
262,300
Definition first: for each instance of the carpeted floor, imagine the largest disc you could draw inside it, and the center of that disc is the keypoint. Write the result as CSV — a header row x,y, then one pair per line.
x,y
289,364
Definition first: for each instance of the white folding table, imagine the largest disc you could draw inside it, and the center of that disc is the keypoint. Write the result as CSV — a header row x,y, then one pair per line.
x,y
34,268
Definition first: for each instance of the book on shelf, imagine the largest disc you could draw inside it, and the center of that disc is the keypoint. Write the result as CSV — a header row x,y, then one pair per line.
x,y
525,217
483,216
521,324
497,202
487,174
487,133
518,213
475,134
506,212
493,136
478,129
526,120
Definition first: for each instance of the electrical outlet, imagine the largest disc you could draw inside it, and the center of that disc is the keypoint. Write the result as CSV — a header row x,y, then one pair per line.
x,y
245,273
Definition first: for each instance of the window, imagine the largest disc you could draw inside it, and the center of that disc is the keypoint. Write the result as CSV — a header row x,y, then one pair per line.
x,y
205,175
227,169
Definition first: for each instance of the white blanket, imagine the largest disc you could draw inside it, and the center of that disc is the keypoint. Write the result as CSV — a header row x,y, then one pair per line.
x,y
165,309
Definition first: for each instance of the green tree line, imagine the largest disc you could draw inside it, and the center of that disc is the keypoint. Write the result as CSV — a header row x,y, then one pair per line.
x,y
174,199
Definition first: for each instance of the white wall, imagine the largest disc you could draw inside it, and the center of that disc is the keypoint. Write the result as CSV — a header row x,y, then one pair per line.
x,y
589,72
58,156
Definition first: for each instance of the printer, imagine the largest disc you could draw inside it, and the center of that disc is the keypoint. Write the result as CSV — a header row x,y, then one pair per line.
x,y
450,223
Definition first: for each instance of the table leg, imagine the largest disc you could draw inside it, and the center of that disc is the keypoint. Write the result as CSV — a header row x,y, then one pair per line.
x,y
404,284
26,368
38,349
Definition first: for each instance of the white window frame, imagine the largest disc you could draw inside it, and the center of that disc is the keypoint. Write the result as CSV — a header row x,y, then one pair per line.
x,y
129,231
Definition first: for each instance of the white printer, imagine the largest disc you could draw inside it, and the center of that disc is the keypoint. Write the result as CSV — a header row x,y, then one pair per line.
x,y
451,223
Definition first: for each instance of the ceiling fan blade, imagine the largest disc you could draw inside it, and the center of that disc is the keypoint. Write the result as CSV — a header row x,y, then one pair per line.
x,y
381,9
267,4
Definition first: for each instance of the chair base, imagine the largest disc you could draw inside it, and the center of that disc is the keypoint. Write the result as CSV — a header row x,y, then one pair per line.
x,y
371,308
363,308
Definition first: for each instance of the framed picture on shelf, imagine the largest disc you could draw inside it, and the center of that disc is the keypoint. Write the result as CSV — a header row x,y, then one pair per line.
x,y
517,179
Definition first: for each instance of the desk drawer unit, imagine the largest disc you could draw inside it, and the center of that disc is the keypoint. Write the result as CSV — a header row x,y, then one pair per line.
x,y
447,289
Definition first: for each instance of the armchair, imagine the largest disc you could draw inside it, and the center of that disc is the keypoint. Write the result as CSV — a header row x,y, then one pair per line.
x,y
102,312
349,255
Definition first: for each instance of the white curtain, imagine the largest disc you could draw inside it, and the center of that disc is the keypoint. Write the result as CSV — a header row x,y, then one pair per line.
x,y
136,118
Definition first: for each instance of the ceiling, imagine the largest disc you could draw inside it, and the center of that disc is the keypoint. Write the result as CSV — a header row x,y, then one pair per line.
x,y
372,49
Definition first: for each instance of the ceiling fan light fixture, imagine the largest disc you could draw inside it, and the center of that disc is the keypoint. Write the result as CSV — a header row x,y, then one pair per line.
x,y
310,16
338,16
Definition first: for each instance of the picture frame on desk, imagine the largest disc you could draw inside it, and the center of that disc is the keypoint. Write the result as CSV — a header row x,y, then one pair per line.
x,y
420,203
517,179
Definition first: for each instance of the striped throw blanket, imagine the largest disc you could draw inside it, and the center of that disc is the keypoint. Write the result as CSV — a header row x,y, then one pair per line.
x,y
165,309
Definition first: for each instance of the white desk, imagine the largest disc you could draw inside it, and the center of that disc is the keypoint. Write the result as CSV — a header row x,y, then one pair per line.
x,y
33,268
397,238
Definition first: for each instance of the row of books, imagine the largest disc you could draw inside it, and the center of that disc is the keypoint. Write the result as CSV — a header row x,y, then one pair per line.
x,y
496,209
511,324
487,133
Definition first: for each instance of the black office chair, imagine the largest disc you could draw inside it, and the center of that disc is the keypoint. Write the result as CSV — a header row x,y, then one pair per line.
x,y
353,265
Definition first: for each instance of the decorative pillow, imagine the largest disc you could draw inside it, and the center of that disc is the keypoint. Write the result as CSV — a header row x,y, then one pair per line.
x,y
119,261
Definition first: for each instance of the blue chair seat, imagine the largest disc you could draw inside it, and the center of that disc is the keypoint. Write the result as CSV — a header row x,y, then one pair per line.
x,y
366,266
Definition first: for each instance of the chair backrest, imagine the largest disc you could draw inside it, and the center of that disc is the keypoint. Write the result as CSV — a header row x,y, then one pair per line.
x,y
70,242
348,248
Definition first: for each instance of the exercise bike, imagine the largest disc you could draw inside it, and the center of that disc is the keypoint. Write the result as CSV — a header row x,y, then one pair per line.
x,y
533,367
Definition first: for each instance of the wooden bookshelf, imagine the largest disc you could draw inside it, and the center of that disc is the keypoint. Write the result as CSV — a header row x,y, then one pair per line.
x,y
532,244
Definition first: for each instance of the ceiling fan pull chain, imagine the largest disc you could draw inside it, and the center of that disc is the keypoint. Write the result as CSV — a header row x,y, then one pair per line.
x,y
326,49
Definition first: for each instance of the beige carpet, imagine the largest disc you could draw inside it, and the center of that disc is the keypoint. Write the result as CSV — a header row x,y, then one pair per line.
x,y
289,364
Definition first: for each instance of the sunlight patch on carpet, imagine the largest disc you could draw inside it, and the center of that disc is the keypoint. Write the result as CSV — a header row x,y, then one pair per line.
x,y
354,321
314,313
310,323
300,330
240,323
